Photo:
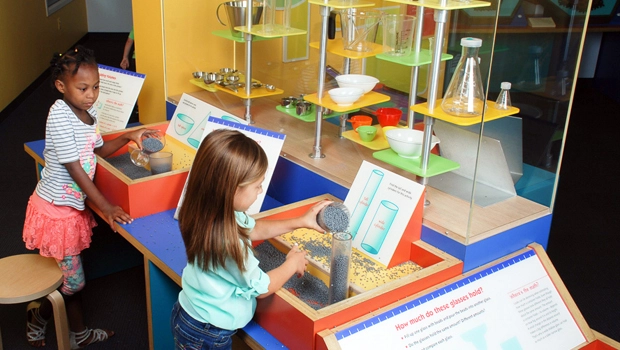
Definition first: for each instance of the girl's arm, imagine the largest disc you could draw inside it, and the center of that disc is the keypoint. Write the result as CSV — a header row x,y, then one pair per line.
x,y
114,145
110,212
295,263
266,229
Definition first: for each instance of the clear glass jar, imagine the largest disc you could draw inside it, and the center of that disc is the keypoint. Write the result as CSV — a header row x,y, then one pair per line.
x,y
465,96
503,100
152,142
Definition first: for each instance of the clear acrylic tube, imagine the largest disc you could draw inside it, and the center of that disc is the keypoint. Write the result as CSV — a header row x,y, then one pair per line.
x,y
339,267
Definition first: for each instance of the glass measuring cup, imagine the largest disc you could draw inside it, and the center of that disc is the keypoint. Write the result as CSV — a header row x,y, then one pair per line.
x,y
151,142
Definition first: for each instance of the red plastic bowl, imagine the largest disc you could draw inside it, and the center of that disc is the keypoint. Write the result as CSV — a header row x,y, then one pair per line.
x,y
388,116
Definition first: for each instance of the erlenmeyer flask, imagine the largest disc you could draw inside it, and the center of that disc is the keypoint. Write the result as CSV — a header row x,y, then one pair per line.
x,y
465,97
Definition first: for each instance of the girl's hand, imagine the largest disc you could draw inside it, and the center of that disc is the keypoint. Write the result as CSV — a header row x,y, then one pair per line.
x,y
309,218
297,257
114,213
136,135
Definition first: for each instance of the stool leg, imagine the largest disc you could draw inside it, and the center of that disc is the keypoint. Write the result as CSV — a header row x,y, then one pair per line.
x,y
0,339
60,320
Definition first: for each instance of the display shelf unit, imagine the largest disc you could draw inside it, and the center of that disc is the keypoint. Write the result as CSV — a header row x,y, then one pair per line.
x,y
414,59
490,113
310,117
277,31
251,31
336,47
241,93
368,99
226,34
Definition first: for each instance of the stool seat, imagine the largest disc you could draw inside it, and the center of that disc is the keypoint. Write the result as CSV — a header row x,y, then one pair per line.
x,y
28,277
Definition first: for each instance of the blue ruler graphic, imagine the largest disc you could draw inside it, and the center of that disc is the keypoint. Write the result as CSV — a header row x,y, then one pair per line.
x,y
428,297
245,127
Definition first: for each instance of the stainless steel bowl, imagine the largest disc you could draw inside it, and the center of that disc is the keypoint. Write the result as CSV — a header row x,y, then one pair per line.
x,y
303,108
228,70
213,77
288,102
270,87
198,75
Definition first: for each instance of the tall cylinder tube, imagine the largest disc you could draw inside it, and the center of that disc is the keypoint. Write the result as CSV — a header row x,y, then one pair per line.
x,y
339,267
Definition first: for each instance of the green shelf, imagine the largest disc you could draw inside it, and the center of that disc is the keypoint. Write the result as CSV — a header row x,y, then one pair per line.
x,y
311,116
436,164
413,59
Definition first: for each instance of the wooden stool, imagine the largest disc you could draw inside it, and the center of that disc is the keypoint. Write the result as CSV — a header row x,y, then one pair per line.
x,y
28,277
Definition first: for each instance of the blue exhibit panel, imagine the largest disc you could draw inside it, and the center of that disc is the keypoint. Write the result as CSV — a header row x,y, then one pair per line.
x,y
293,183
164,293
494,247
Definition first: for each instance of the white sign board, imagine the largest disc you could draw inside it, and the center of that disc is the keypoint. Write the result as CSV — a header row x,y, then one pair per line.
x,y
118,93
190,117
270,141
512,305
381,204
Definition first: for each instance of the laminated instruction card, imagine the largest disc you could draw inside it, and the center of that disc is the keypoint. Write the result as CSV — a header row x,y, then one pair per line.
x,y
118,93
190,117
381,204
270,141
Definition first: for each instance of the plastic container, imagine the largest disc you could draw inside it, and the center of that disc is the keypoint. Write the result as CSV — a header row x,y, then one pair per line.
x,y
503,100
388,116
339,267
334,218
398,30
465,96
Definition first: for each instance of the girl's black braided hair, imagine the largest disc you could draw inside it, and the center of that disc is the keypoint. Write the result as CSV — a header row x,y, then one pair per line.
x,y
70,62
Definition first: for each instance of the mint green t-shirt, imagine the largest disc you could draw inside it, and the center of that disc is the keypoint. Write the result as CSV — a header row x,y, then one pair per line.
x,y
225,298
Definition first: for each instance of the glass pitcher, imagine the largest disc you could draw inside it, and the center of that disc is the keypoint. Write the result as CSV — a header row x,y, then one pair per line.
x,y
359,28
465,97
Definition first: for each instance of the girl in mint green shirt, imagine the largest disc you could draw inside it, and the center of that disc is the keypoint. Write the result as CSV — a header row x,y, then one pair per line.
x,y
222,280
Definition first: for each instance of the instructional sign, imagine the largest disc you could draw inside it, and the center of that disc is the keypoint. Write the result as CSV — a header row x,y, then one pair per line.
x,y
190,117
118,93
381,204
270,141
513,305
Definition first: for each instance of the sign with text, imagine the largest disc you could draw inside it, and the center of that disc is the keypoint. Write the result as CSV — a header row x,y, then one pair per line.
x,y
381,205
190,117
118,93
270,141
512,305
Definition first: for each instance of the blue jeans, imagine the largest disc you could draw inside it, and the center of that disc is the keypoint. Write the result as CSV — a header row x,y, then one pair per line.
x,y
191,334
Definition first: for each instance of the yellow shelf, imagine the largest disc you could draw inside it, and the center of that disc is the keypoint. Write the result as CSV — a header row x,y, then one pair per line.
x,y
277,31
342,4
413,59
368,99
448,5
490,114
337,48
256,92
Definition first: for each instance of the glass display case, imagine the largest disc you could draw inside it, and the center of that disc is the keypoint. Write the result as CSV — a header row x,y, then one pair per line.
x,y
502,166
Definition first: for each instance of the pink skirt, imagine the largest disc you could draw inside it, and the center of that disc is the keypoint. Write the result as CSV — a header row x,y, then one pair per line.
x,y
57,231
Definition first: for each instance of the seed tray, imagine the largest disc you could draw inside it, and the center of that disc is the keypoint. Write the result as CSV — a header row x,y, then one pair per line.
x,y
371,287
145,195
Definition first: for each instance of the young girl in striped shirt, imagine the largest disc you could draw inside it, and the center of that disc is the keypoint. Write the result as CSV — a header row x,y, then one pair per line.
x,y
57,221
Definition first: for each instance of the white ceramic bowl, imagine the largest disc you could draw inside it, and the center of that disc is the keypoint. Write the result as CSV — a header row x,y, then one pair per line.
x,y
345,96
408,142
365,82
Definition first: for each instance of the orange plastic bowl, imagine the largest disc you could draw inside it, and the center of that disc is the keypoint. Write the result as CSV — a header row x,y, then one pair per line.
x,y
388,116
359,120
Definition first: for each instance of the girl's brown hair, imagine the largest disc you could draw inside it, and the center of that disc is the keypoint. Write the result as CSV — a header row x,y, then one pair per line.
x,y
225,161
